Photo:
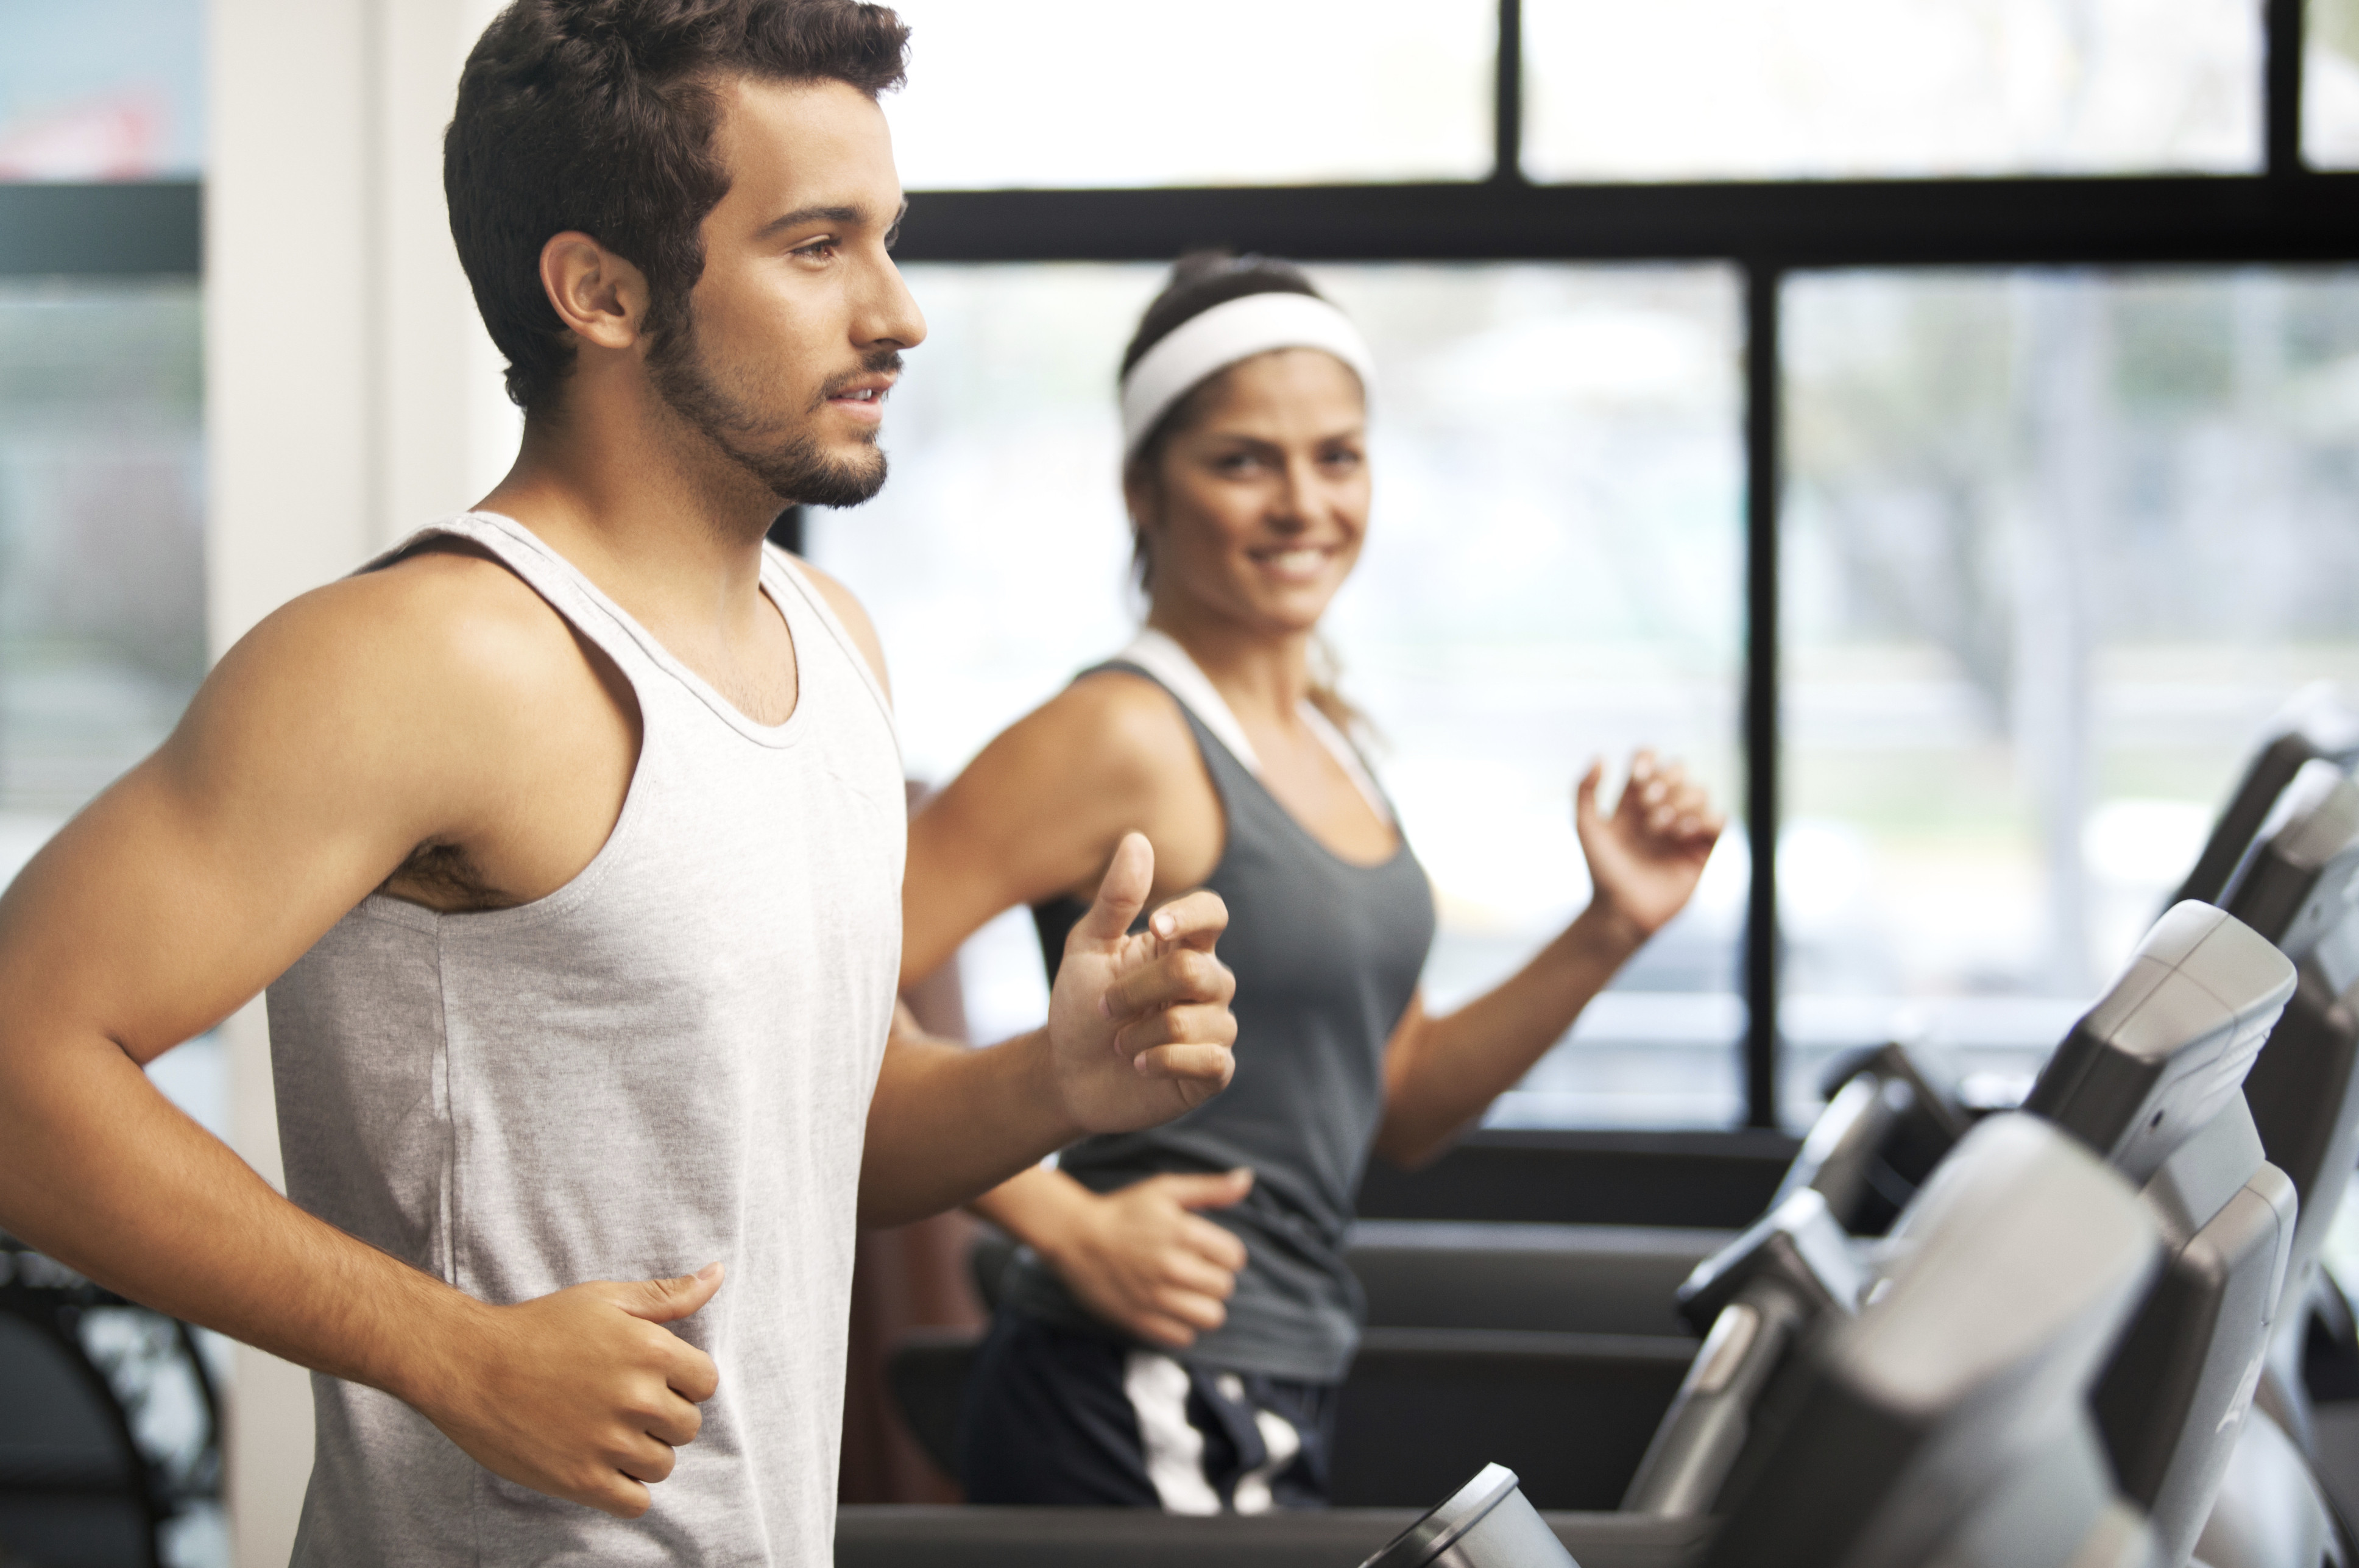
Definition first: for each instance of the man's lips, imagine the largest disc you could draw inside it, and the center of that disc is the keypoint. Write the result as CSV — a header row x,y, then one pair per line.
x,y
863,398
871,389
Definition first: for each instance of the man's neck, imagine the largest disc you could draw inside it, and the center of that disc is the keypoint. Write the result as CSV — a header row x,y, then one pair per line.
x,y
672,533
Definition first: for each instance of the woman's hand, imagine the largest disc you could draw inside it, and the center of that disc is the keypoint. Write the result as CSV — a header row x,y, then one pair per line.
x,y
1644,858
1140,1258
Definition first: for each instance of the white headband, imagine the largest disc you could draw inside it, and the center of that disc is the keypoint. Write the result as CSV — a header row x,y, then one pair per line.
x,y
1220,337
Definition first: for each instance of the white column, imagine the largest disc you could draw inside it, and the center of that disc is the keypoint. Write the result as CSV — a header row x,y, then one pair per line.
x,y
350,395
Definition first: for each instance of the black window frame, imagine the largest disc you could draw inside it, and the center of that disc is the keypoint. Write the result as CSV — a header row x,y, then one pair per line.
x,y
2284,213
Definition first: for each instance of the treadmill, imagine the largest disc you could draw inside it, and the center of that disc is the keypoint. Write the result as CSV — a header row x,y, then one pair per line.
x,y
2149,1080
1948,1416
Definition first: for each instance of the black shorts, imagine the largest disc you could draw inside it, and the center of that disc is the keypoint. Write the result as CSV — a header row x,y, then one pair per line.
x,y
1055,1417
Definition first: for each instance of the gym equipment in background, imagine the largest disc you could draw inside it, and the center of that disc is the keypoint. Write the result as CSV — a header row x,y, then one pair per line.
x,y
110,1429
1486,1523
2151,1080
1948,1421
2314,724
1951,1412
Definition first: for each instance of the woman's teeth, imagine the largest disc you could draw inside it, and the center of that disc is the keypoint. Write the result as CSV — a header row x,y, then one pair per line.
x,y
1294,562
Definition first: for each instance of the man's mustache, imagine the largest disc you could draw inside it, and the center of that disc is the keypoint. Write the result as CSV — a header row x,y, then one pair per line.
x,y
874,363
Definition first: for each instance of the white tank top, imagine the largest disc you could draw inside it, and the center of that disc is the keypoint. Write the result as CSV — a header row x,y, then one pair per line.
x,y
668,1060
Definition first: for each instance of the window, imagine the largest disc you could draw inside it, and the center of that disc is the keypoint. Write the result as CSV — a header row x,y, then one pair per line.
x,y
1598,235
102,564
1817,89
2057,544
1219,93
2330,84
102,90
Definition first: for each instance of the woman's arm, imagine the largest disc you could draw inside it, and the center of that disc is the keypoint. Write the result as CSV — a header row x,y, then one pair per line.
x,y
1139,1258
1039,811
1644,860
1035,815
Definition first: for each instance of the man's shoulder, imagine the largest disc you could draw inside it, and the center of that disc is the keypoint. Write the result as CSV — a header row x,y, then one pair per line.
x,y
848,610
445,640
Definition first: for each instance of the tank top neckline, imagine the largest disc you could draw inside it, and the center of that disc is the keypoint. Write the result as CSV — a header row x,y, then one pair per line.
x,y
584,882
778,585
1160,663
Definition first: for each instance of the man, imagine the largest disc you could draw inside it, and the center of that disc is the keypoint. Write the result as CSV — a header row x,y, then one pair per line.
x,y
568,840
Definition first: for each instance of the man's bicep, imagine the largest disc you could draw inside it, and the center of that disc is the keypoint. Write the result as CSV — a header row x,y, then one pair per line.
x,y
194,880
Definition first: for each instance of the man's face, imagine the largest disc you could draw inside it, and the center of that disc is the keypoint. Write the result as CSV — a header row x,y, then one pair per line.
x,y
796,327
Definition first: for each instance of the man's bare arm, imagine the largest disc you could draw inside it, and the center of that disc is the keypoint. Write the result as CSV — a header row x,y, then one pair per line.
x,y
347,730
1139,1030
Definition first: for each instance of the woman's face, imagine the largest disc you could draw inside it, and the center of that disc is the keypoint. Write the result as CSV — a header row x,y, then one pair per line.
x,y
1257,507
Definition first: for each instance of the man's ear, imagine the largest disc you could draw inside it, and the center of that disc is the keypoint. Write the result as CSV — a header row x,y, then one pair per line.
x,y
597,294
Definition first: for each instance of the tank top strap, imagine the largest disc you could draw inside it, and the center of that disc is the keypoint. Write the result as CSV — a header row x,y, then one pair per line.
x,y
1160,656
555,579
1231,773
789,583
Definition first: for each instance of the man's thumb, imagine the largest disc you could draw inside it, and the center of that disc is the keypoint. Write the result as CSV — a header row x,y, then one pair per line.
x,y
1214,1192
1123,893
668,1300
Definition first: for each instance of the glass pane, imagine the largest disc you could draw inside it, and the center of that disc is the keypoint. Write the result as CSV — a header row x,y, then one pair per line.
x,y
102,562
1552,571
1739,90
102,89
1215,93
2056,545
2330,83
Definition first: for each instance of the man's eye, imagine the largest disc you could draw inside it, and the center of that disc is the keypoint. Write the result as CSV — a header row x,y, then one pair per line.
x,y
892,236
816,248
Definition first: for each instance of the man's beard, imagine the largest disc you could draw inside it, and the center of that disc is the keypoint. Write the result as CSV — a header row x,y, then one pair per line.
x,y
793,467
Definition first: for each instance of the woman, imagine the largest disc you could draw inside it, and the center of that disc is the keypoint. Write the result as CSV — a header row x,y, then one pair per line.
x,y
1174,1331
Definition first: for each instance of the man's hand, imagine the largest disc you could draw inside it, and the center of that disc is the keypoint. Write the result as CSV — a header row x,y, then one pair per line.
x,y
1141,1259
1139,1026
1646,858
582,1394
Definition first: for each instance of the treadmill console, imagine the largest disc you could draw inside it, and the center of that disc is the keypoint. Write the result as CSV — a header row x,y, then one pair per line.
x,y
2170,1043
1950,1409
2304,877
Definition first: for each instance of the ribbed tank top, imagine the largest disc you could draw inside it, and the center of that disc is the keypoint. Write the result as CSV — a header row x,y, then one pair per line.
x,y
668,1060
1326,954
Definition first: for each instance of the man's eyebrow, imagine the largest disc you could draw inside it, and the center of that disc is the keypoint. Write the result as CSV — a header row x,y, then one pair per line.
x,y
802,215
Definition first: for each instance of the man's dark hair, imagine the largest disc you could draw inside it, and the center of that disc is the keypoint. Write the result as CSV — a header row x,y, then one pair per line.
x,y
598,115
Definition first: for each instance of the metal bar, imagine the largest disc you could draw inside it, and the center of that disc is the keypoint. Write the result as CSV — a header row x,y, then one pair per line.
x,y
2191,218
132,230
155,229
1508,96
1762,393
2282,88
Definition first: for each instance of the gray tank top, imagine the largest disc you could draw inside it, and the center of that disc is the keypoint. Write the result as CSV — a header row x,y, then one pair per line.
x,y
668,1060
1327,955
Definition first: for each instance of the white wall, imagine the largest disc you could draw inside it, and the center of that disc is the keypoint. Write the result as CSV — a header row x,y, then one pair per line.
x,y
350,394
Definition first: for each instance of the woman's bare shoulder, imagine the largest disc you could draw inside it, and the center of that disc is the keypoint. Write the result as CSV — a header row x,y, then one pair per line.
x,y
1129,721
1095,761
